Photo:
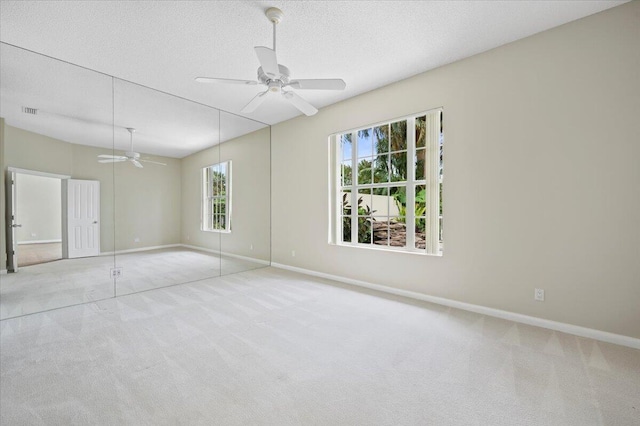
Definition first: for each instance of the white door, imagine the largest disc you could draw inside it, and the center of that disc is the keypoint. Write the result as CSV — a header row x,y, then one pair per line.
x,y
83,217
12,256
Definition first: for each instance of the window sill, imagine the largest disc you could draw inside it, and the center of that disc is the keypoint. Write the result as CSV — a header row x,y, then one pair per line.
x,y
217,231
387,249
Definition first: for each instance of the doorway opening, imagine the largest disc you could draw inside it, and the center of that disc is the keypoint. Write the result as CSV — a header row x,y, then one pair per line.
x,y
36,218
39,205
39,212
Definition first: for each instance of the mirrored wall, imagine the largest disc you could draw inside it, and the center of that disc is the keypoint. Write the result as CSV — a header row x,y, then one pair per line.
x,y
111,188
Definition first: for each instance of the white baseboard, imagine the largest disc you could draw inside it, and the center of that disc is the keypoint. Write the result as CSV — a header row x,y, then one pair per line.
x,y
3,272
38,242
208,250
227,254
135,250
603,336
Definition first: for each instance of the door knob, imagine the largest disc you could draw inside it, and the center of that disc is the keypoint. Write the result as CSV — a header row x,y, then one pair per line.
x,y
15,225
95,222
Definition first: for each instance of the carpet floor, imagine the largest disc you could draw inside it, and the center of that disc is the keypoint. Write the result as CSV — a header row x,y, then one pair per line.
x,y
33,254
273,347
67,282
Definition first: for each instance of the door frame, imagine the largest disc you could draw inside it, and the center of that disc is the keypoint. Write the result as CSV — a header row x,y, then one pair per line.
x,y
10,216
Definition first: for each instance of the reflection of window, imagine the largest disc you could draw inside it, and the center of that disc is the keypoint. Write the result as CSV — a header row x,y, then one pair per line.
x,y
392,174
216,197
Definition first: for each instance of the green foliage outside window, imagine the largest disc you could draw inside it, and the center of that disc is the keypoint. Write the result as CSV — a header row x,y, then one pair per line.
x,y
365,220
400,199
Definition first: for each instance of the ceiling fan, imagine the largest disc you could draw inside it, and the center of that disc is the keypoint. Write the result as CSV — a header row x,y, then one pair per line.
x,y
130,155
277,77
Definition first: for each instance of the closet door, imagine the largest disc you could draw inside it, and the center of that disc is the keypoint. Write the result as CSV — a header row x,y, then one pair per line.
x,y
83,217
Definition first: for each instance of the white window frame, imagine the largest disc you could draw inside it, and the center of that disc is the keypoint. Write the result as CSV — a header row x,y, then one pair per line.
x,y
205,197
432,181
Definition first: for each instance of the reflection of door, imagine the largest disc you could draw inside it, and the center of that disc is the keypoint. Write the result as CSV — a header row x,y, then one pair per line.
x,y
12,259
83,217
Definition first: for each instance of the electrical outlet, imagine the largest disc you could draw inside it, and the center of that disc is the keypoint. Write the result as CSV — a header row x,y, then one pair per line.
x,y
293,253
538,295
136,240
251,247
33,234
116,272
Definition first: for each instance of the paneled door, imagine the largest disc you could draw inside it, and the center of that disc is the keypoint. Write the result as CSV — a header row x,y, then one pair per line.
x,y
83,217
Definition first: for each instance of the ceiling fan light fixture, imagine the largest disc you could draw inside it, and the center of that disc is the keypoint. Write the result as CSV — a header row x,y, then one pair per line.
x,y
274,87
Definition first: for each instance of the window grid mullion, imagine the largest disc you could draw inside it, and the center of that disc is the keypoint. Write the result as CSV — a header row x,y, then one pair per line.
x,y
432,135
203,199
354,192
220,187
216,192
381,185
411,173
335,156
339,210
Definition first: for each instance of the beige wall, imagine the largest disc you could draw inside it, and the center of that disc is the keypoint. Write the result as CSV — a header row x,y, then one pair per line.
x,y
191,184
32,151
542,146
147,203
250,226
251,216
39,208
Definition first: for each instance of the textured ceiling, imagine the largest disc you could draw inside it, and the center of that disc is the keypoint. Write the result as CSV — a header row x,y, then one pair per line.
x,y
85,107
369,44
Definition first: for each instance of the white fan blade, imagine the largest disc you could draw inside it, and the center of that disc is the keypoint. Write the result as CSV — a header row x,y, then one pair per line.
x,y
137,164
113,160
112,156
153,162
255,102
225,80
300,103
268,61
319,84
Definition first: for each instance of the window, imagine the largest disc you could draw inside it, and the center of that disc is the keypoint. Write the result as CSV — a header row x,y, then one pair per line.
x,y
392,173
216,197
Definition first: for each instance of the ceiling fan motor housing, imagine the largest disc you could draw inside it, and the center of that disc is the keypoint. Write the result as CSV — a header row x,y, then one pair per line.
x,y
282,79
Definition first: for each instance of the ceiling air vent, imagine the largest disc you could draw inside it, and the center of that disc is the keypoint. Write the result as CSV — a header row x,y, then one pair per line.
x,y
32,111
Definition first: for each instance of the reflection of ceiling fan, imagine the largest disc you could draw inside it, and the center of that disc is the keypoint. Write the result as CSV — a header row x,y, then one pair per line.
x,y
130,155
276,76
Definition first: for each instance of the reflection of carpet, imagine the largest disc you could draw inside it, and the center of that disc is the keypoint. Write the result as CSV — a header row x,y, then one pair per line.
x,y
69,282
32,254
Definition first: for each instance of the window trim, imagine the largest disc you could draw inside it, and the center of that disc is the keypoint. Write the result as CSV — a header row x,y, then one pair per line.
x,y
228,198
431,182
